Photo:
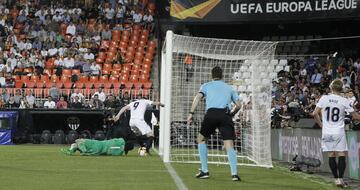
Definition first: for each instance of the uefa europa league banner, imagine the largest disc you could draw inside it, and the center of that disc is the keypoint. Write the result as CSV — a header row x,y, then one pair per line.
x,y
261,10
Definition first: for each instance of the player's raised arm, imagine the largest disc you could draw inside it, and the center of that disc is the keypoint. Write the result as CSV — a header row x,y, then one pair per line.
x,y
316,113
195,103
123,109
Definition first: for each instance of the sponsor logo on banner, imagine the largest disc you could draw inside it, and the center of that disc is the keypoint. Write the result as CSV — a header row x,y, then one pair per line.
x,y
305,146
260,10
183,9
73,122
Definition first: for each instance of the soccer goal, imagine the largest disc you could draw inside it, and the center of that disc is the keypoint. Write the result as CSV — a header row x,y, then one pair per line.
x,y
249,66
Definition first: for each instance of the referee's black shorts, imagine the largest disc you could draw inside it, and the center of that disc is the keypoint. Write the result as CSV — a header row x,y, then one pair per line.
x,y
218,118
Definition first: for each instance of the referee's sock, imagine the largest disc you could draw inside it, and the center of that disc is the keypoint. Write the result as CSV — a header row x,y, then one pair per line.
x,y
333,166
341,166
203,156
232,161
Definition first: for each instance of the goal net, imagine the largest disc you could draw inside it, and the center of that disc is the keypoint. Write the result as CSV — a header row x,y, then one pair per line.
x,y
247,65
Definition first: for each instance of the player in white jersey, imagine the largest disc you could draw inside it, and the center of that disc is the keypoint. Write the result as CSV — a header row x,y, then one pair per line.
x,y
137,122
329,114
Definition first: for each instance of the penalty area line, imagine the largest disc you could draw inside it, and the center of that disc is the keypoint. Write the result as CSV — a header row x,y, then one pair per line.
x,y
178,181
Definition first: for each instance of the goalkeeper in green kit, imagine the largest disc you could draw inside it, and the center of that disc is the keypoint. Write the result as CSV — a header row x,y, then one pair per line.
x,y
88,147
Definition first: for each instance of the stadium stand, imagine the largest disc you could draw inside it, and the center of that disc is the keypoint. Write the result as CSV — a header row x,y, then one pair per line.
x,y
75,47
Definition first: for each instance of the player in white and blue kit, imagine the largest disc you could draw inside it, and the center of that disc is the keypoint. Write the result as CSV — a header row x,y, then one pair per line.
x,y
329,114
137,122
218,96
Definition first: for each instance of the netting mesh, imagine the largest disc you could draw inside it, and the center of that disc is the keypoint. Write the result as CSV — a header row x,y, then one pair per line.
x,y
247,67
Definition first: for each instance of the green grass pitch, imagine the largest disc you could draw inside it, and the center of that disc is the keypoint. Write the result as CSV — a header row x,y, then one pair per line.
x,y
40,167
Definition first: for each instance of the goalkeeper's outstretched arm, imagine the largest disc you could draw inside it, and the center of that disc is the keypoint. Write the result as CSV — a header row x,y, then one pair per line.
x,y
123,109
195,103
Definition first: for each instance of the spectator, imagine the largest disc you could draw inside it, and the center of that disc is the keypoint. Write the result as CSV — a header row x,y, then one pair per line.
x,y
76,103
69,62
71,29
109,15
30,99
54,92
24,103
100,94
77,93
62,104
316,78
88,56
95,69
96,103
126,99
11,103
5,95
49,103
111,102
17,96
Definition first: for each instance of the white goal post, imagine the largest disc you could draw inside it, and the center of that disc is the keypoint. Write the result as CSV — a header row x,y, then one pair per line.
x,y
249,66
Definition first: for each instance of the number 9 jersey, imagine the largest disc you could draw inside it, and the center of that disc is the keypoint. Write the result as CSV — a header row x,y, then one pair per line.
x,y
138,108
333,113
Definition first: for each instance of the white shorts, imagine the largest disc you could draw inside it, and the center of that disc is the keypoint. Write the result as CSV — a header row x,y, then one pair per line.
x,y
143,127
334,142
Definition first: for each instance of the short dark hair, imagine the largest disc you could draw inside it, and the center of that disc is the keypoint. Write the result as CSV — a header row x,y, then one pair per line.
x,y
216,73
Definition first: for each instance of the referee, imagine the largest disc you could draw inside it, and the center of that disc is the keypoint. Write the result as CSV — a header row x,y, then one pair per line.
x,y
218,96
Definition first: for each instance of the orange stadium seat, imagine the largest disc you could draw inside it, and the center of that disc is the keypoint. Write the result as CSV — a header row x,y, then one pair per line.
x,y
79,85
67,85
75,72
40,84
106,71
48,84
18,84
66,73
30,84
103,78
65,78
147,85
107,85
88,85
107,66
116,67
54,78
93,79
59,84
44,78
145,93
38,92
134,78
83,78
128,85
138,85
98,85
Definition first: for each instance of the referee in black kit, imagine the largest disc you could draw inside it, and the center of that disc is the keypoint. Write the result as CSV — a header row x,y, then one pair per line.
x,y
218,96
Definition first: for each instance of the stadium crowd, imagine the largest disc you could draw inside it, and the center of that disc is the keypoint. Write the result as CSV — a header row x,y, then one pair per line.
x,y
296,91
41,40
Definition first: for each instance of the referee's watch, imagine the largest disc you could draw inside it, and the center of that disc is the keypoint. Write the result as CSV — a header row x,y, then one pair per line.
x,y
192,113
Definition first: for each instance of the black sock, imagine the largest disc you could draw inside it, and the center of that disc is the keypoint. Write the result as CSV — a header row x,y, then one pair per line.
x,y
333,166
341,166
139,140
149,143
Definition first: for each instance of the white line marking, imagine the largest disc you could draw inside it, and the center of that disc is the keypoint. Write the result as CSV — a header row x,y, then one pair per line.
x,y
178,182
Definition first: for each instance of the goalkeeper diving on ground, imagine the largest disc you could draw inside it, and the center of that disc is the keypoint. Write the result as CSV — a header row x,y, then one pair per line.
x,y
89,147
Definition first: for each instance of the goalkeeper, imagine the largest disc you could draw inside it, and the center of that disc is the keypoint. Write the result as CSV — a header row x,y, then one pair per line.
x,y
218,96
88,147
